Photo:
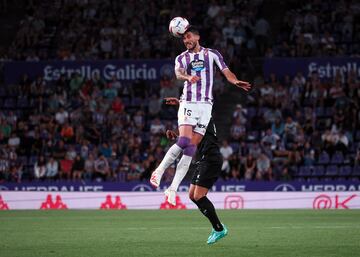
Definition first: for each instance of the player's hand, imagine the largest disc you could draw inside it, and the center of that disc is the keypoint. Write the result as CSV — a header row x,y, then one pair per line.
x,y
170,134
193,79
171,101
243,85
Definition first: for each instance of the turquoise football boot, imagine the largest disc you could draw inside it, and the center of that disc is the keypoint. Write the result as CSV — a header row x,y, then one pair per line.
x,y
217,235
211,234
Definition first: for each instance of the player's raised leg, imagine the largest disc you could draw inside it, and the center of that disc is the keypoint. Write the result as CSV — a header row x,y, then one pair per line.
x,y
169,158
184,163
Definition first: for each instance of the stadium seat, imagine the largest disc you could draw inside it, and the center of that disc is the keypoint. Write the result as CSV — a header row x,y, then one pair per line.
x,y
324,158
331,170
345,171
337,158
251,112
9,103
2,92
356,171
23,160
22,103
329,111
320,113
318,171
357,136
235,146
305,171
32,160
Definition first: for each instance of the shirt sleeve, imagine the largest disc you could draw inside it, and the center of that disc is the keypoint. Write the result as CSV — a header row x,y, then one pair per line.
x,y
178,62
219,60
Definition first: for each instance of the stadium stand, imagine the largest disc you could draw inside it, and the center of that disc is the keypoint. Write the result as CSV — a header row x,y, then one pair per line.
x,y
298,128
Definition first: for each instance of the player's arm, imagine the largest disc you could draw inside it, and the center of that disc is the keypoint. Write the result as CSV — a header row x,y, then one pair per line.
x,y
231,77
171,101
172,135
181,75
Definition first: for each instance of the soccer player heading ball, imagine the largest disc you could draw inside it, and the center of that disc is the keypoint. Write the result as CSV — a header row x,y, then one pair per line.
x,y
196,68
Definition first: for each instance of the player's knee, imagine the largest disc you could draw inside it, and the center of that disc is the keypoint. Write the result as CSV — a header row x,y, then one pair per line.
x,y
198,196
191,196
190,150
196,139
183,142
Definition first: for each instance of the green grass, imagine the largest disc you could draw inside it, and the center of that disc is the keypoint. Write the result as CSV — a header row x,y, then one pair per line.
x,y
255,233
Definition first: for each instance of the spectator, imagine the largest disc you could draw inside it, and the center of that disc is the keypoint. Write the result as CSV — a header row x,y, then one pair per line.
x,y
89,167
154,106
238,130
278,127
240,113
14,141
76,82
262,30
226,152
40,168
263,167
61,116
52,169
67,133
250,165
156,127
101,168
78,168
117,105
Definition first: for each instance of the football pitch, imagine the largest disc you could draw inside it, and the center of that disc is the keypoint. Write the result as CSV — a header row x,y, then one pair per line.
x,y
257,233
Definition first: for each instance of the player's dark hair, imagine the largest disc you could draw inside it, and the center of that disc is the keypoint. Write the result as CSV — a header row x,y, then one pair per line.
x,y
193,29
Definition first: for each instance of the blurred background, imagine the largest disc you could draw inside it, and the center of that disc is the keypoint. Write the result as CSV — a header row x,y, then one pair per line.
x,y
83,82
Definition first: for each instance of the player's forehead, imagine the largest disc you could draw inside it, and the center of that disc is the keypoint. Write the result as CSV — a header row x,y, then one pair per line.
x,y
189,34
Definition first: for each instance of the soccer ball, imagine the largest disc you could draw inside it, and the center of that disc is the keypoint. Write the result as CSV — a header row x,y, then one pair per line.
x,y
178,26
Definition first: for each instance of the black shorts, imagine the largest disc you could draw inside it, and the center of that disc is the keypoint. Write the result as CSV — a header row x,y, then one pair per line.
x,y
206,173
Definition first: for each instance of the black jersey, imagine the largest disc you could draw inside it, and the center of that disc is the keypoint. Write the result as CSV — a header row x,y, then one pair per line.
x,y
207,167
209,149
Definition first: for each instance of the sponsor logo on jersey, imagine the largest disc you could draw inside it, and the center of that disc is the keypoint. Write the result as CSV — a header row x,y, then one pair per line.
x,y
197,65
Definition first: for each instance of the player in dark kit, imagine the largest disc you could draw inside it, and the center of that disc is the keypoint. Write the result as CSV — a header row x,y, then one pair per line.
x,y
207,169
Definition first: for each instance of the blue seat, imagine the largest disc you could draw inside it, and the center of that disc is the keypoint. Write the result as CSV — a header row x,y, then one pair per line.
x,y
235,146
345,171
319,171
337,158
10,103
305,171
320,112
356,171
331,170
324,158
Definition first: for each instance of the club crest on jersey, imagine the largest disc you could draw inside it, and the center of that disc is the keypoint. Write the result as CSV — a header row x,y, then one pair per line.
x,y
197,65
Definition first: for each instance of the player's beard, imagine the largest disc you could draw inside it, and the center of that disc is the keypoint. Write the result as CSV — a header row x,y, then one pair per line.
x,y
191,46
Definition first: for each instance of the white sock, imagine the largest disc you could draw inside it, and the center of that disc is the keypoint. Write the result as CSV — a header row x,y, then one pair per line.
x,y
181,170
169,158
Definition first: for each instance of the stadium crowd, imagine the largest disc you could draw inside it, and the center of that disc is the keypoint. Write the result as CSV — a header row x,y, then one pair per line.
x,y
318,28
289,128
99,29
297,127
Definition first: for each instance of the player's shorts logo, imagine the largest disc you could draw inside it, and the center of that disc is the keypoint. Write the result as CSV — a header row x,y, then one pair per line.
x,y
197,65
201,126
